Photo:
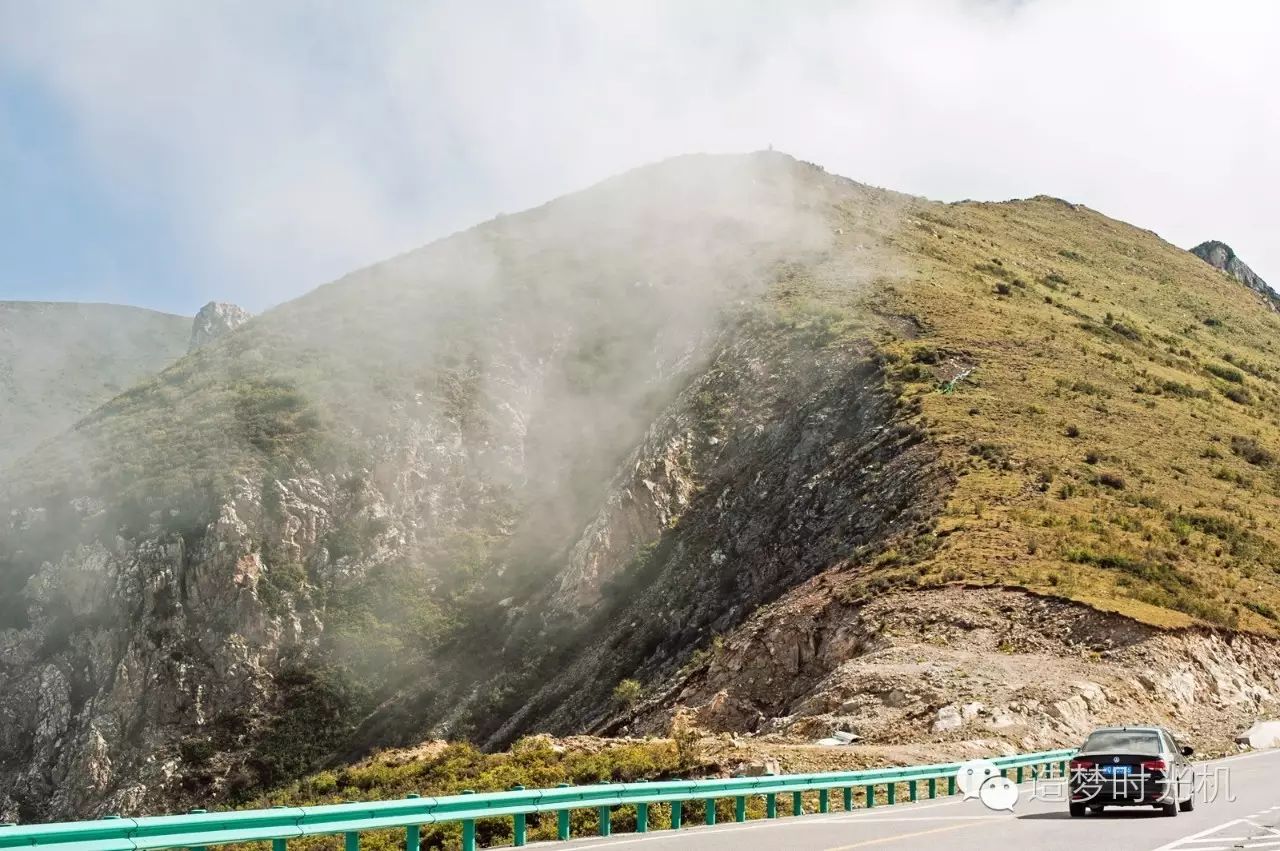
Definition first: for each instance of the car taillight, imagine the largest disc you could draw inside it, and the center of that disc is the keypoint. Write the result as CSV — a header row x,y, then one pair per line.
x,y
1155,765
1082,764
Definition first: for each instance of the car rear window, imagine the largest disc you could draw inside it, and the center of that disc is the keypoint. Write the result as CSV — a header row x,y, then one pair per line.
x,y
1131,741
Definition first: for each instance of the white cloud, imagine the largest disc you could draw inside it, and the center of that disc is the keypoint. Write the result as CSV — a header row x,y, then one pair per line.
x,y
293,142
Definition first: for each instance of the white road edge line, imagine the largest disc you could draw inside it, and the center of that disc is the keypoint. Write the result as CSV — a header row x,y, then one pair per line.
x,y
1270,830
1175,843
1220,839
762,824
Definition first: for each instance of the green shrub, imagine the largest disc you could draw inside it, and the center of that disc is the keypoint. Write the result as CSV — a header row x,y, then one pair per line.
x,y
196,752
1262,609
1111,480
1239,395
1226,373
1249,449
627,693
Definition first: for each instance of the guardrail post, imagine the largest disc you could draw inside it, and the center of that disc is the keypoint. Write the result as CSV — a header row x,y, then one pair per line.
x,y
1062,768
468,829
824,801
797,804
710,810
740,808
281,844
606,825
562,819
677,815
911,789
771,805
848,798
1019,778
519,823
871,796
891,793
642,817
351,841
933,788
412,833
951,785
195,812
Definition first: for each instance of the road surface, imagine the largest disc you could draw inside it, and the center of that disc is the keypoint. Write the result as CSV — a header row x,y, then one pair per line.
x,y
1238,806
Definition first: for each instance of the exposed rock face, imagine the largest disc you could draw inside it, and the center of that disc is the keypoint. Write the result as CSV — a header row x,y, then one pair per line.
x,y
1220,256
950,665
215,319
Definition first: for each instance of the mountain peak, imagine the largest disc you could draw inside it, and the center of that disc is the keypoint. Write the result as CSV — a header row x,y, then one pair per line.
x,y
1220,256
215,319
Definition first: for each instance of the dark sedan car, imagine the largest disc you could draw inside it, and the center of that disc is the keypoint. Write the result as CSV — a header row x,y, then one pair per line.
x,y
1131,767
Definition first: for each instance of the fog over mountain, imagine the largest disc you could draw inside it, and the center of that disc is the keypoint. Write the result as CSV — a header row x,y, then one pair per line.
x,y
60,361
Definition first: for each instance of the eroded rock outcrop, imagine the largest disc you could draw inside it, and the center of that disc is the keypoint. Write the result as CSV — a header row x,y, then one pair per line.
x,y
1220,256
961,664
214,320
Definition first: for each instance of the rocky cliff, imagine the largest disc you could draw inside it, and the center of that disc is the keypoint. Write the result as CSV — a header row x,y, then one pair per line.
x,y
1220,256
751,435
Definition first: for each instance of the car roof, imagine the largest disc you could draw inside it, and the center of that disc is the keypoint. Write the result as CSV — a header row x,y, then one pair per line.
x,y
1126,729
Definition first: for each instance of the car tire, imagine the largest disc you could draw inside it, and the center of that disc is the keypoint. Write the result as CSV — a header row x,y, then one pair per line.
x,y
1098,810
1077,810
1188,805
1170,809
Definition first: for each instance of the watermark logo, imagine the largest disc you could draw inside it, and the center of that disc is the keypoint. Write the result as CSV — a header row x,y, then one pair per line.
x,y
979,778
982,779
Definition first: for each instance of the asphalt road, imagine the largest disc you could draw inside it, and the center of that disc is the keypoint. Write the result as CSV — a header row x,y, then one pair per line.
x,y
1238,806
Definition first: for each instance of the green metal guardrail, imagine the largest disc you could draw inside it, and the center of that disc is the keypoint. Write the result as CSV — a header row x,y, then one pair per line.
x,y
199,830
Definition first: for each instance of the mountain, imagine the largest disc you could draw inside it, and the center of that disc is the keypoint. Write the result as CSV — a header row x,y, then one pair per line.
x,y
727,441
59,361
1220,256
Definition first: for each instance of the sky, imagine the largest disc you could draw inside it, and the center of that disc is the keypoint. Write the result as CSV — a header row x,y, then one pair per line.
x,y
168,154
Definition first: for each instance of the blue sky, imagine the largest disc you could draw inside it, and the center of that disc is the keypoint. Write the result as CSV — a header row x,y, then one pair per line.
x,y
66,235
167,154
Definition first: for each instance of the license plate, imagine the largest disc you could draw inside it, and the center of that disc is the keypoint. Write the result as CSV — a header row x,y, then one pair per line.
x,y
1115,770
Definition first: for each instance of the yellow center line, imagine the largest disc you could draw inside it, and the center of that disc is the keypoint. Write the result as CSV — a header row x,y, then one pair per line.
x,y
896,837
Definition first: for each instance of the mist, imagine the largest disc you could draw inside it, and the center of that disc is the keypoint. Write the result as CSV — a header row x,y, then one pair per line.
x,y
284,146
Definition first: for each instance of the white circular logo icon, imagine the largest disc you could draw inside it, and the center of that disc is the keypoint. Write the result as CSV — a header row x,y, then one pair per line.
x,y
973,774
999,793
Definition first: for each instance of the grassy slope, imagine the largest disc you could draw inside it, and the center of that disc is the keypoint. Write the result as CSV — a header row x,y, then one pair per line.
x,y
1115,444
60,361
